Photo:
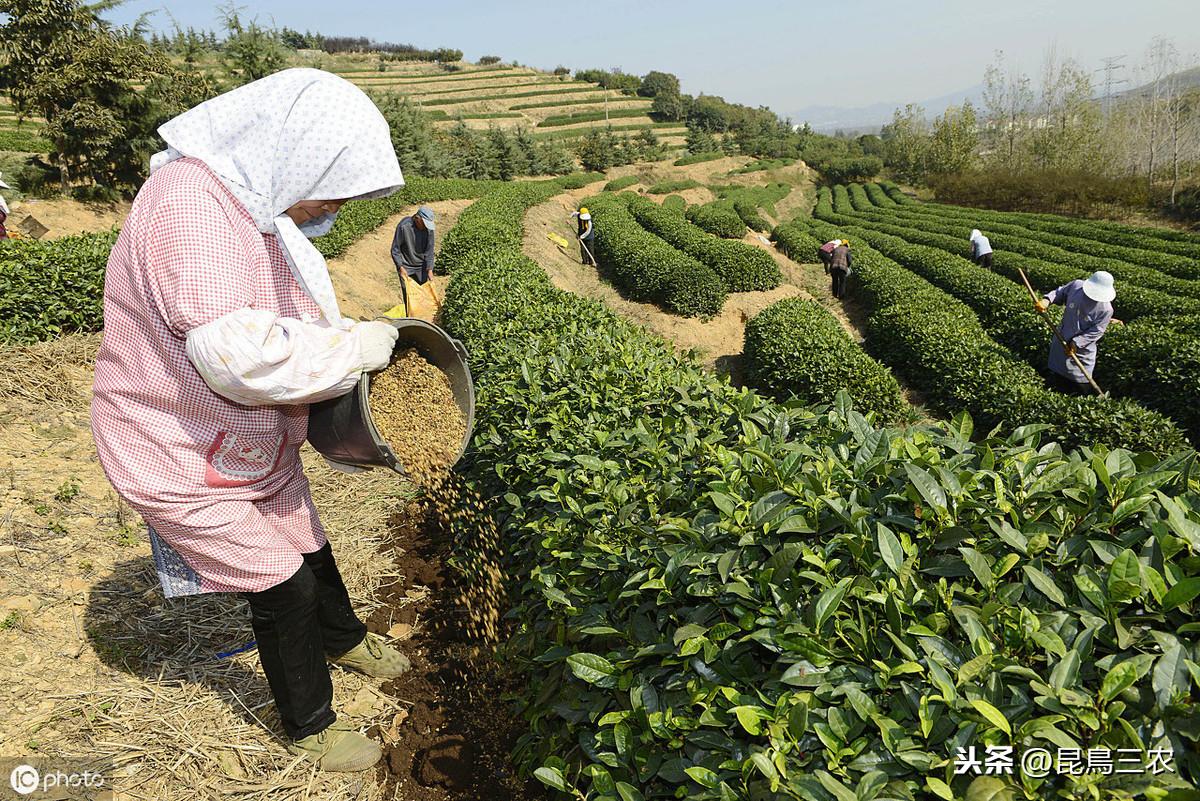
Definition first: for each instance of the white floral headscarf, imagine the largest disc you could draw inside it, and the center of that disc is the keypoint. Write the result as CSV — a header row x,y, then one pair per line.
x,y
300,134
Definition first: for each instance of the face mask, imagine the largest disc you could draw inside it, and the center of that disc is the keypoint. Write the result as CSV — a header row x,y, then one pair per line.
x,y
318,226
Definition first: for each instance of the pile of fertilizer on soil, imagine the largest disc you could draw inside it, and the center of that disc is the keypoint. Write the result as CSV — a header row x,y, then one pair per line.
x,y
414,410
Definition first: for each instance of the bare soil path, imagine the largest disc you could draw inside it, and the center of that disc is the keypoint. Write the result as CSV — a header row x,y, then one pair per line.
x,y
718,341
365,277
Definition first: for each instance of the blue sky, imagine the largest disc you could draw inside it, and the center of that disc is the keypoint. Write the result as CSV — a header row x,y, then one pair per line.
x,y
783,55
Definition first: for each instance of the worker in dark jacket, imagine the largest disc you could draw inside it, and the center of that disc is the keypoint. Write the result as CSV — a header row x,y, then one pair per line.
x,y
412,246
839,267
825,253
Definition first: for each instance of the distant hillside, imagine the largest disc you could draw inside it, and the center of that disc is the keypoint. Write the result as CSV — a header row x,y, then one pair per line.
x,y
1186,80
864,119
548,105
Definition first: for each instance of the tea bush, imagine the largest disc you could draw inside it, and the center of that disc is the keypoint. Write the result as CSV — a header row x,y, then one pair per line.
x,y
674,185
52,287
742,267
715,597
1156,366
1132,301
675,204
939,347
1154,270
646,268
718,218
617,184
796,348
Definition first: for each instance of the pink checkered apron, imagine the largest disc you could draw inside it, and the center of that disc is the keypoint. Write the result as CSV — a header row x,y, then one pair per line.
x,y
219,484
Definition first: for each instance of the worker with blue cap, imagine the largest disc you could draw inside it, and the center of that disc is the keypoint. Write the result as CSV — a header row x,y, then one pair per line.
x,y
1088,312
412,246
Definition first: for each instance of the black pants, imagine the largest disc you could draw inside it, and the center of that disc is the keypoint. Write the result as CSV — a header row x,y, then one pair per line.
x,y
839,282
984,261
299,624
586,245
1068,387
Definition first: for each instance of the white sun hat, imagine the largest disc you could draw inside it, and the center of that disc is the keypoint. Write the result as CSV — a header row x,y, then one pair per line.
x,y
1099,287
4,185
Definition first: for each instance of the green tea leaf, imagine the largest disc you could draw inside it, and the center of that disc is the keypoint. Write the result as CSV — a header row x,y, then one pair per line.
x,y
1116,680
992,715
592,668
889,547
552,777
829,601
1125,577
1045,585
703,776
1181,593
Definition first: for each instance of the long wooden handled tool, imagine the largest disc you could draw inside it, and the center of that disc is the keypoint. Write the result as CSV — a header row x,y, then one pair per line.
x,y
1059,336
585,250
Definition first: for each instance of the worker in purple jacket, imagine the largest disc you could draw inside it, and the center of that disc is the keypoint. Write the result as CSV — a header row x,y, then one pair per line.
x,y
1088,313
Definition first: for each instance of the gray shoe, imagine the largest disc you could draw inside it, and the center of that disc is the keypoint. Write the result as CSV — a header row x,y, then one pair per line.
x,y
375,657
338,748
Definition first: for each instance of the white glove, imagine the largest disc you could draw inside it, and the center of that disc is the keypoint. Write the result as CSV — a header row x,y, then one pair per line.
x,y
376,341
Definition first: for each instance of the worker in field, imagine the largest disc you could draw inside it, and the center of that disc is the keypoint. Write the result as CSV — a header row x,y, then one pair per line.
x,y
587,236
3,211
825,253
221,326
1086,318
412,246
840,263
981,249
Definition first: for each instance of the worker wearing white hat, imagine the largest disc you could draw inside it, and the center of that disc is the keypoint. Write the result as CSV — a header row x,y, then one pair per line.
x,y
1088,313
3,211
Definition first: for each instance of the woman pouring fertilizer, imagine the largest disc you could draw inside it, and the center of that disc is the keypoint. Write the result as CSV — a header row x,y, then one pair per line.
x,y
221,326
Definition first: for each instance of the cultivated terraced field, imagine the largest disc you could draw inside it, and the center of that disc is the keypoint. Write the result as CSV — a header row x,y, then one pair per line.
x,y
718,592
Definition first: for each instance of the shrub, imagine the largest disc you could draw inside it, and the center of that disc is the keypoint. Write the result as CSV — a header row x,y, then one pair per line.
x,y
762,164
52,287
1158,367
796,348
674,185
359,217
487,223
591,116
718,218
879,197
1004,240
579,180
675,204
617,184
742,267
1078,192
23,141
1002,227
849,168
646,268
1132,302
697,158
489,60
938,345
895,193
718,597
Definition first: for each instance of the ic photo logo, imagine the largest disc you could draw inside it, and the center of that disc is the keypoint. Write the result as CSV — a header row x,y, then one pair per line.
x,y
24,779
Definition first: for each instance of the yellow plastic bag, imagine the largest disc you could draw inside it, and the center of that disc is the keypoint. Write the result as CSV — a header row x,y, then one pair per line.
x,y
420,300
